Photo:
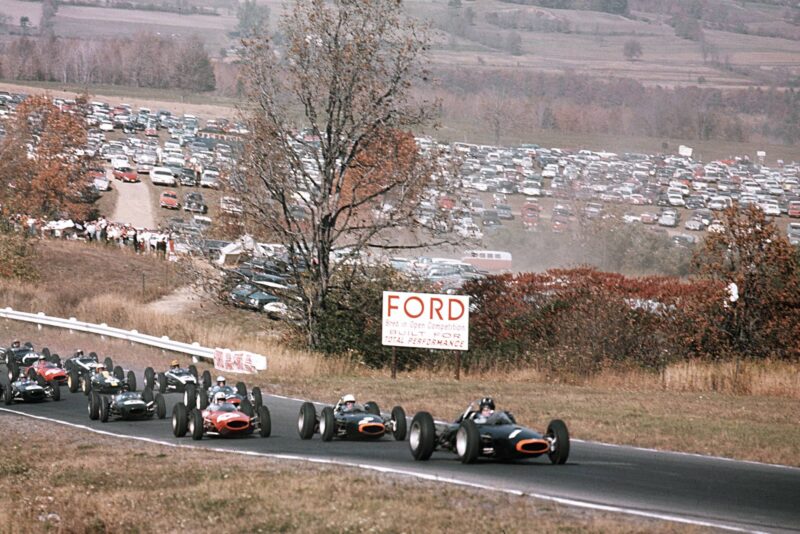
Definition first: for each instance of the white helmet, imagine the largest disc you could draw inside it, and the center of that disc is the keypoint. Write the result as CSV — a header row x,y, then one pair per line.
x,y
220,379
219,398
348,398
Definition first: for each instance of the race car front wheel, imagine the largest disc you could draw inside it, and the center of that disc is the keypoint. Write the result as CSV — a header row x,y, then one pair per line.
x,y
468,441
399,418
179,421
559,441
422,436
264,422
327,423
196,424
306,420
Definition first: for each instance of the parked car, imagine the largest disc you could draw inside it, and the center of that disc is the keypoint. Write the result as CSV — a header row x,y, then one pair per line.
x,y
169,200
162,176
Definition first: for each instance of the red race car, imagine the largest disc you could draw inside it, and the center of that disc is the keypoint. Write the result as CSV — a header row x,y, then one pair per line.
x,y
49,371
126,174
221,418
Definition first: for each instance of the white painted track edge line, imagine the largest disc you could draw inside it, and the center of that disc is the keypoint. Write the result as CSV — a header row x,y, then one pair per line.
x,y
414,474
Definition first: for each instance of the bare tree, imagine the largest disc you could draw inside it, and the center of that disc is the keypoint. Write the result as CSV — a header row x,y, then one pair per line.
x,y
499,113
352,179
632,49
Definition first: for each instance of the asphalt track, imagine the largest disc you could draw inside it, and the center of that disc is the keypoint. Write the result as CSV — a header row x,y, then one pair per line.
x,y
709,491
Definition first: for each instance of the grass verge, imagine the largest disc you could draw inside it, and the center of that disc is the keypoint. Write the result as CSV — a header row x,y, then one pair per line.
x,y
100,484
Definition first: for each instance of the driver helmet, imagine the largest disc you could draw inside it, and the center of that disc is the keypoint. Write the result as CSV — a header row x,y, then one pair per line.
x,y
100,367
220,380
174,364
42,358
15,344
78,352
219,398
486,406
348,401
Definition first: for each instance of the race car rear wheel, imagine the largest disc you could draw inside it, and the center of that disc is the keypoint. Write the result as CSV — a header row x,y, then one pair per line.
x,y
56,391
105,408
327,423
559,441
264,422
202,399
131,376
94,406
372,407
468,442
73,382
258,400
46,353
149,378
422,436
119,373
306,421
8,395
40,381
206,379
193,371
196,424
93,355
241,389
147,395
109,363
13,371
246,407
162,382
56,359
190,396
399,418
161,406
86,384
179,420
31,373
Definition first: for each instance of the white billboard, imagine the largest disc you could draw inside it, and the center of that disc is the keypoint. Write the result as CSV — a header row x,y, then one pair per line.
x,y
426,321
239,361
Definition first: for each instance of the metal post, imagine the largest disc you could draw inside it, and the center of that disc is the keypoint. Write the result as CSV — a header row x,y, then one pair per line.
x,y
394,363
458,365
142,285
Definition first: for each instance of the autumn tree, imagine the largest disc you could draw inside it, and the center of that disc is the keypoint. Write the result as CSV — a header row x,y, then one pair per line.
x,y
193,68
253,18
761,269
350,182
41,173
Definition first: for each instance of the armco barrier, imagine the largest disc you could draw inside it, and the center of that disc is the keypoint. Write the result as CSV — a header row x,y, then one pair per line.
x,y
133,336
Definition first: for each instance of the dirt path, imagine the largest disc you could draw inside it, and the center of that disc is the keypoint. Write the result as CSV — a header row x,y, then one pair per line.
x,y
133,204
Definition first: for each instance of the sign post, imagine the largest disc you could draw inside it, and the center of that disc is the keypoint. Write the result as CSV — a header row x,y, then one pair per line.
x,y
425,321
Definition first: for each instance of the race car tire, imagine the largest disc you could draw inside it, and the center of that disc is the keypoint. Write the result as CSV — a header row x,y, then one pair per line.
x,y
161,406
131,381
149,378
56,359
31,373
8,395
264,422
190,396
327,423
13,371
196,424
73,381
93,405
104,409
179,420
468,442
46,353
56,391
306,420
29,344
422,437
119,373
399,418
557,430
147,395
109,363
206,379
162,382
93,355
241,389
40,380
258,400
372,407
202,399
86,384
247,408
193,371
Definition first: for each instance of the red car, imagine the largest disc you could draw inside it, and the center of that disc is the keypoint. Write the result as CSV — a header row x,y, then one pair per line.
x,y
222,419
794,209
169,200
49,371
126,174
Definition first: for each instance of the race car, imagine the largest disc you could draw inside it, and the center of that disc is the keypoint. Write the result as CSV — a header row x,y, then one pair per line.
x,y
79,365
105,383
128,405
489,434
18,356
26,390
350,420
49,371
238,396
221,418
175,378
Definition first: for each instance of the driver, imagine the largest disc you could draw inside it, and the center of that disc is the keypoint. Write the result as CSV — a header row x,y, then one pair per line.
x,y
174,365
42,360
100,369
219,400
220,381
486,407
78,353
15,344
347,403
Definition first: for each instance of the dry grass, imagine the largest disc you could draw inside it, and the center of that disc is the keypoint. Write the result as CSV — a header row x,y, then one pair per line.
x,y
96,484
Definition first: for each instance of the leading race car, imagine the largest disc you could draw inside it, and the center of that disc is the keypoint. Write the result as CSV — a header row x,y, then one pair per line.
x,y
26,390
350,420
128,405
220,418
106,383
21,354
487,433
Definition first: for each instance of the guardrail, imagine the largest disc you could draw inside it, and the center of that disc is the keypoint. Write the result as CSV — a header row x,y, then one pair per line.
x,y
103,329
